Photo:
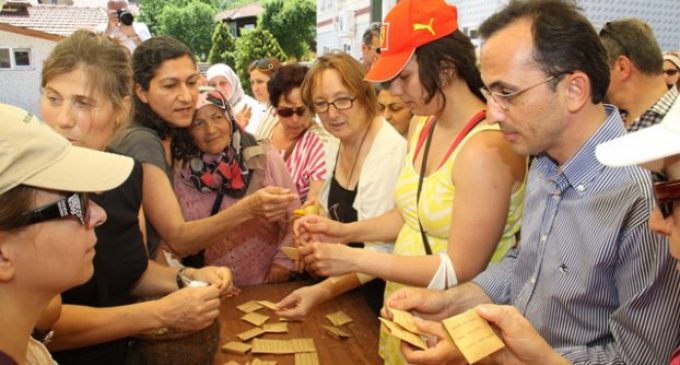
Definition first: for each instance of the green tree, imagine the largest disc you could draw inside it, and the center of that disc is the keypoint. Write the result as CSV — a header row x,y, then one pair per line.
x,y
252,45
293,24
223,46
192,24
150,11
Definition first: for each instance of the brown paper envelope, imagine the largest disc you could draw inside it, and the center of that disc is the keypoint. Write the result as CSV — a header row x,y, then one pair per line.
x,y
398,332
472,335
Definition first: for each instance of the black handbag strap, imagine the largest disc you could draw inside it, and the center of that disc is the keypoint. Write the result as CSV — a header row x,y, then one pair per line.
x,y
423,166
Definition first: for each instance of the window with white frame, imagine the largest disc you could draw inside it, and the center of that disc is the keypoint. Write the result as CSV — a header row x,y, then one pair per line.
x,y
15,58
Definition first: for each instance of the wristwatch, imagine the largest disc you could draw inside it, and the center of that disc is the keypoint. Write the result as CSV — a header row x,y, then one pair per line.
x,y
182,280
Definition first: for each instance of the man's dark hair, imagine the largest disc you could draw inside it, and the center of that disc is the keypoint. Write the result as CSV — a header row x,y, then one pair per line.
x,y
372,31
564,40
634,39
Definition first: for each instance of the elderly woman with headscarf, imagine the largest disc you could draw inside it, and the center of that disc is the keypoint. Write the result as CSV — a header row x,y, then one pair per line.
x,y
248,111
220,165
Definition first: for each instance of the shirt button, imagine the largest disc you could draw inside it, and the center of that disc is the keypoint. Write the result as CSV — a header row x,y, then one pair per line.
x,y
533,280
580,188
544,238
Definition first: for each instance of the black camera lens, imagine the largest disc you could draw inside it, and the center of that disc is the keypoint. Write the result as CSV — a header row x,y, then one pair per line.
x,y
125,17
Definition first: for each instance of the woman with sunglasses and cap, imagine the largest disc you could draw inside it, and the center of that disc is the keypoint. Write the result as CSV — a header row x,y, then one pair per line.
x,y
220,164
47,224
86,91
460,194
248,111
294,133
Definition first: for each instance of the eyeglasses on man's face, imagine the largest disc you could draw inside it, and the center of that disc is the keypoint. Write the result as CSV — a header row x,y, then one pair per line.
x,y
288,112
504,99
341,103
667,192
75,205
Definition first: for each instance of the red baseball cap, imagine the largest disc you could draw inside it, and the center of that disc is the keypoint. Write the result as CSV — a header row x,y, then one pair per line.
x,y
409,25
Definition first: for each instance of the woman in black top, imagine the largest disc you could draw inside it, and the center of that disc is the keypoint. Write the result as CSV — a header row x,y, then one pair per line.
x,y
86,84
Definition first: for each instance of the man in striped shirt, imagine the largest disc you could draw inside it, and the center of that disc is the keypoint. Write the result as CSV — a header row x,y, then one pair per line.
x,y
589,274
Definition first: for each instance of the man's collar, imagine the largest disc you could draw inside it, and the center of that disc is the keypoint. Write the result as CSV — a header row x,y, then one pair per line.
x,y
584,166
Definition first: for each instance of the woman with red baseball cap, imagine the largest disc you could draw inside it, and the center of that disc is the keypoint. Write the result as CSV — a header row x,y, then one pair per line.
x,y
460,194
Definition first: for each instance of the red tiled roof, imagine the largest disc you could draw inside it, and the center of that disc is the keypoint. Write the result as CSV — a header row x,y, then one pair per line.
x,y
244,11
56,19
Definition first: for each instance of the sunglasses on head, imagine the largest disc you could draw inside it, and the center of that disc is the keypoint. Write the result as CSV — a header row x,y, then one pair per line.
x,y
667,192
264,64
75,205
288,112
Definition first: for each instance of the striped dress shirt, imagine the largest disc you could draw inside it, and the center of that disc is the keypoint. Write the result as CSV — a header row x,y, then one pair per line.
x,y
589,273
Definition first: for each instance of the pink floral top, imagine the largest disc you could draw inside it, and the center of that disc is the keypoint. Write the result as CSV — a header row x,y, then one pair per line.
x,y
249,250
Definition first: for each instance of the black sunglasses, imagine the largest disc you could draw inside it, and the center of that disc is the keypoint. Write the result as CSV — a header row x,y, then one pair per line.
x,y
74,205
264,64
671,72
607,31
288,112
667,192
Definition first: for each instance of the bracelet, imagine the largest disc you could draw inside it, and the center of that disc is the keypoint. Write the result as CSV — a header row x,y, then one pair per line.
x,y
43,336
182,280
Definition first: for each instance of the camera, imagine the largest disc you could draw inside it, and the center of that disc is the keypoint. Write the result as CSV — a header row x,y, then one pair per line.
x,y
125,17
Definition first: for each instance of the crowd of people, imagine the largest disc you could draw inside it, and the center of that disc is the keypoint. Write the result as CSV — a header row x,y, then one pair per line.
x,y
436,178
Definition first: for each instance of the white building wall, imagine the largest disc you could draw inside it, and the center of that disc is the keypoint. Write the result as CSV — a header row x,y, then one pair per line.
x,y
662,15
22,87
341,27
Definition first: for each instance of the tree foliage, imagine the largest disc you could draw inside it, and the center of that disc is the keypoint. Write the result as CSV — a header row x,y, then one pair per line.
x,y
150,11
252,45
292,23
223,46
192,24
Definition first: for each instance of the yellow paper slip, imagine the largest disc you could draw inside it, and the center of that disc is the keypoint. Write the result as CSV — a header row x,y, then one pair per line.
x,y
398,332
339,318
405,320
307,358
249,307
292,252
262,362
283,346
253,332
268,304
278,327
238,348
256,319
472,335
336,332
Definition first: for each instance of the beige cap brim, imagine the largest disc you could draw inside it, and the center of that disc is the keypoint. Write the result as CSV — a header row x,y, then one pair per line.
x,y
83,170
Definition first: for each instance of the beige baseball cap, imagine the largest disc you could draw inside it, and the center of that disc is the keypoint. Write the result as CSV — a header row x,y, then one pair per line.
x,y
32,154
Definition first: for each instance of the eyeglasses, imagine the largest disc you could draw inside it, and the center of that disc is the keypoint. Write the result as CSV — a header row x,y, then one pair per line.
x,y
666,193
74,205
504,99
342,103
288,112
607,32
671,72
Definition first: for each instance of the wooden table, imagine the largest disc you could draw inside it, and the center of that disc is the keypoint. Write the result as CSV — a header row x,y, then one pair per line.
x,y
361,348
